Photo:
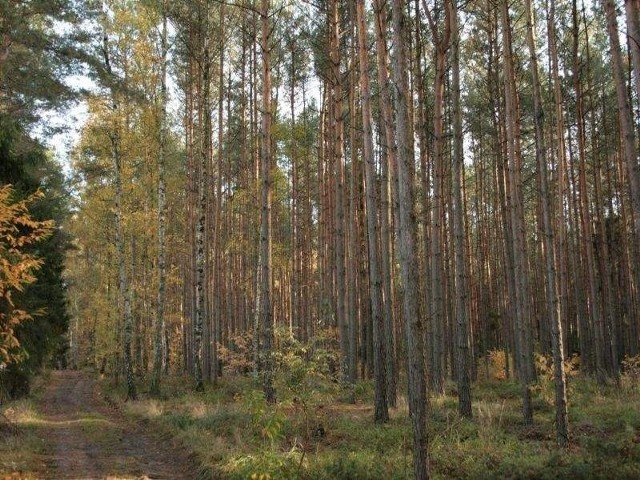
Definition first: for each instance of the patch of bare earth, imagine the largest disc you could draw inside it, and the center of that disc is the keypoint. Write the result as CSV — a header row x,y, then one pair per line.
x,y
88,440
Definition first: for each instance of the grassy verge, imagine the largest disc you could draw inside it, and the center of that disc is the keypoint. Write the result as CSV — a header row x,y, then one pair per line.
x,y
314,433
21,449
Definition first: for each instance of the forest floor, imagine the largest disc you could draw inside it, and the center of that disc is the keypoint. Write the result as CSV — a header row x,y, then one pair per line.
x,y
320,430
67,431
317,432
77,426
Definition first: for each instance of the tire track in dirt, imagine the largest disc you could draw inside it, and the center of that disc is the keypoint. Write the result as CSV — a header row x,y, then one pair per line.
x,y
87,440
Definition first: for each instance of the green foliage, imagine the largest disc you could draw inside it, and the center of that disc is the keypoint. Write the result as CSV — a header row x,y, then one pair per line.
x,y
268,421
354,466
180,420
264,465
36,55
237,435
304,368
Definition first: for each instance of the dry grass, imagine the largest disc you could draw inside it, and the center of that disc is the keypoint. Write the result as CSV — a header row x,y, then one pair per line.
x,y
20,448
234,434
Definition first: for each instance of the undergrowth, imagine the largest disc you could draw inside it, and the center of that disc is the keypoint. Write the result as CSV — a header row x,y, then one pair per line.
x,y
314,432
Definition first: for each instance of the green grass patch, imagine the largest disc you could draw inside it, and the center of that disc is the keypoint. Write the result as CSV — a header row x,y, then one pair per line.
x,y
314,432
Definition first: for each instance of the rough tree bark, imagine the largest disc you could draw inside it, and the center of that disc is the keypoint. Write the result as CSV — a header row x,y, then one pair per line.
x,y
441,40
551,281
516,216
627,129
414,325
462,293
337,142
381,413
389,159
266,354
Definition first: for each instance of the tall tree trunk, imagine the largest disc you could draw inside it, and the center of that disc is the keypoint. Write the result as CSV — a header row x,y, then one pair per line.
x,y
595,309
217,293
200,237
354,256
267,361
296,245
627,132
162,141
551,281
462,291
381,414
123,284
560,226
438,312
337,142
632,10
389,159
514,204
506,306
414,325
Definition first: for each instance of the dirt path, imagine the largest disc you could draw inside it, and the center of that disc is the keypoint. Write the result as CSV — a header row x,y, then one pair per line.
x,y
88,440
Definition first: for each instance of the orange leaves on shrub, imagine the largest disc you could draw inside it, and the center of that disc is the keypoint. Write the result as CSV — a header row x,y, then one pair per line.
x,y
17,267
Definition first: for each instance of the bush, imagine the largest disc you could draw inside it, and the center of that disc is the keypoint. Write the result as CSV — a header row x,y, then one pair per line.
x,y
631,372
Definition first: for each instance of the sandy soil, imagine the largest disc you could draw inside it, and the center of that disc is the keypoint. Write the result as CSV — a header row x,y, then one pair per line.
x,y
88,440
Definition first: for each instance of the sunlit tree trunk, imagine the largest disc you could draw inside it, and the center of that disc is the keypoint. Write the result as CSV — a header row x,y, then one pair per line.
x,y
337,154
354,257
